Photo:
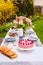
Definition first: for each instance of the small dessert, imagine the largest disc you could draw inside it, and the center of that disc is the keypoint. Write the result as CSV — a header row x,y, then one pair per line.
x,y
6,51
10,53
3,49
13,56
12,34
25,44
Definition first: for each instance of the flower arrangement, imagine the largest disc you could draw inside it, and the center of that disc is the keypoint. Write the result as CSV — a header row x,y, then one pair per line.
x,y
22,22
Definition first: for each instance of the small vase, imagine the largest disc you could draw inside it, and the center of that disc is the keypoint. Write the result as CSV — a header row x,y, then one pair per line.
x,y
20,32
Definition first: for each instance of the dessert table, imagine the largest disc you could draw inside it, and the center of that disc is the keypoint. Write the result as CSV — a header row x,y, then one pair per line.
x,y
37,42
29,57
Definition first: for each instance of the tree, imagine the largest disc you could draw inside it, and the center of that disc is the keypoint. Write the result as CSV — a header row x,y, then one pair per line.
x,y
7,11
25,7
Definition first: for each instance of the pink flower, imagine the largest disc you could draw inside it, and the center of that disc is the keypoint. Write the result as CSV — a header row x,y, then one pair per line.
x,y
21,17
31,23
17,19
14,21
21,22
28,21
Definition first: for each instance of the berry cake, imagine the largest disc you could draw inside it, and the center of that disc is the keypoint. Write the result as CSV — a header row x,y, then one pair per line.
x,y
25,44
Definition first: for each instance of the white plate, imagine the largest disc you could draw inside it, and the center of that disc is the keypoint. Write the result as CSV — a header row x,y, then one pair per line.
x,y
27,48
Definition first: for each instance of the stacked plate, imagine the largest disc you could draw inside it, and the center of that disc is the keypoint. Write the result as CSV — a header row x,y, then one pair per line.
x,y
10,39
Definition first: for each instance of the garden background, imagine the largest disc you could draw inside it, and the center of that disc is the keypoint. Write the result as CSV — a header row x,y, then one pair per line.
x,y
9,9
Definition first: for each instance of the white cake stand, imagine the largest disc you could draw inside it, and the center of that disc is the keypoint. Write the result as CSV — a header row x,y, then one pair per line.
x,y
26,48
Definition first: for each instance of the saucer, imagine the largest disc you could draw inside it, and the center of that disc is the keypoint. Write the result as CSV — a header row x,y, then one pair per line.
x,y
10,39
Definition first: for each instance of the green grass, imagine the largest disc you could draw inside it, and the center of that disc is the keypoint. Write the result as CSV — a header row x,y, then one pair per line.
x,y
2,35
38,29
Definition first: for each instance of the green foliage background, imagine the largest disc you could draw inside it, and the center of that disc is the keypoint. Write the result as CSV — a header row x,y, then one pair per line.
x,y
26,7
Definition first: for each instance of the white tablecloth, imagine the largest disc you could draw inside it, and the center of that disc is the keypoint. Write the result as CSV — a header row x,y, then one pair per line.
x,y
33,57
